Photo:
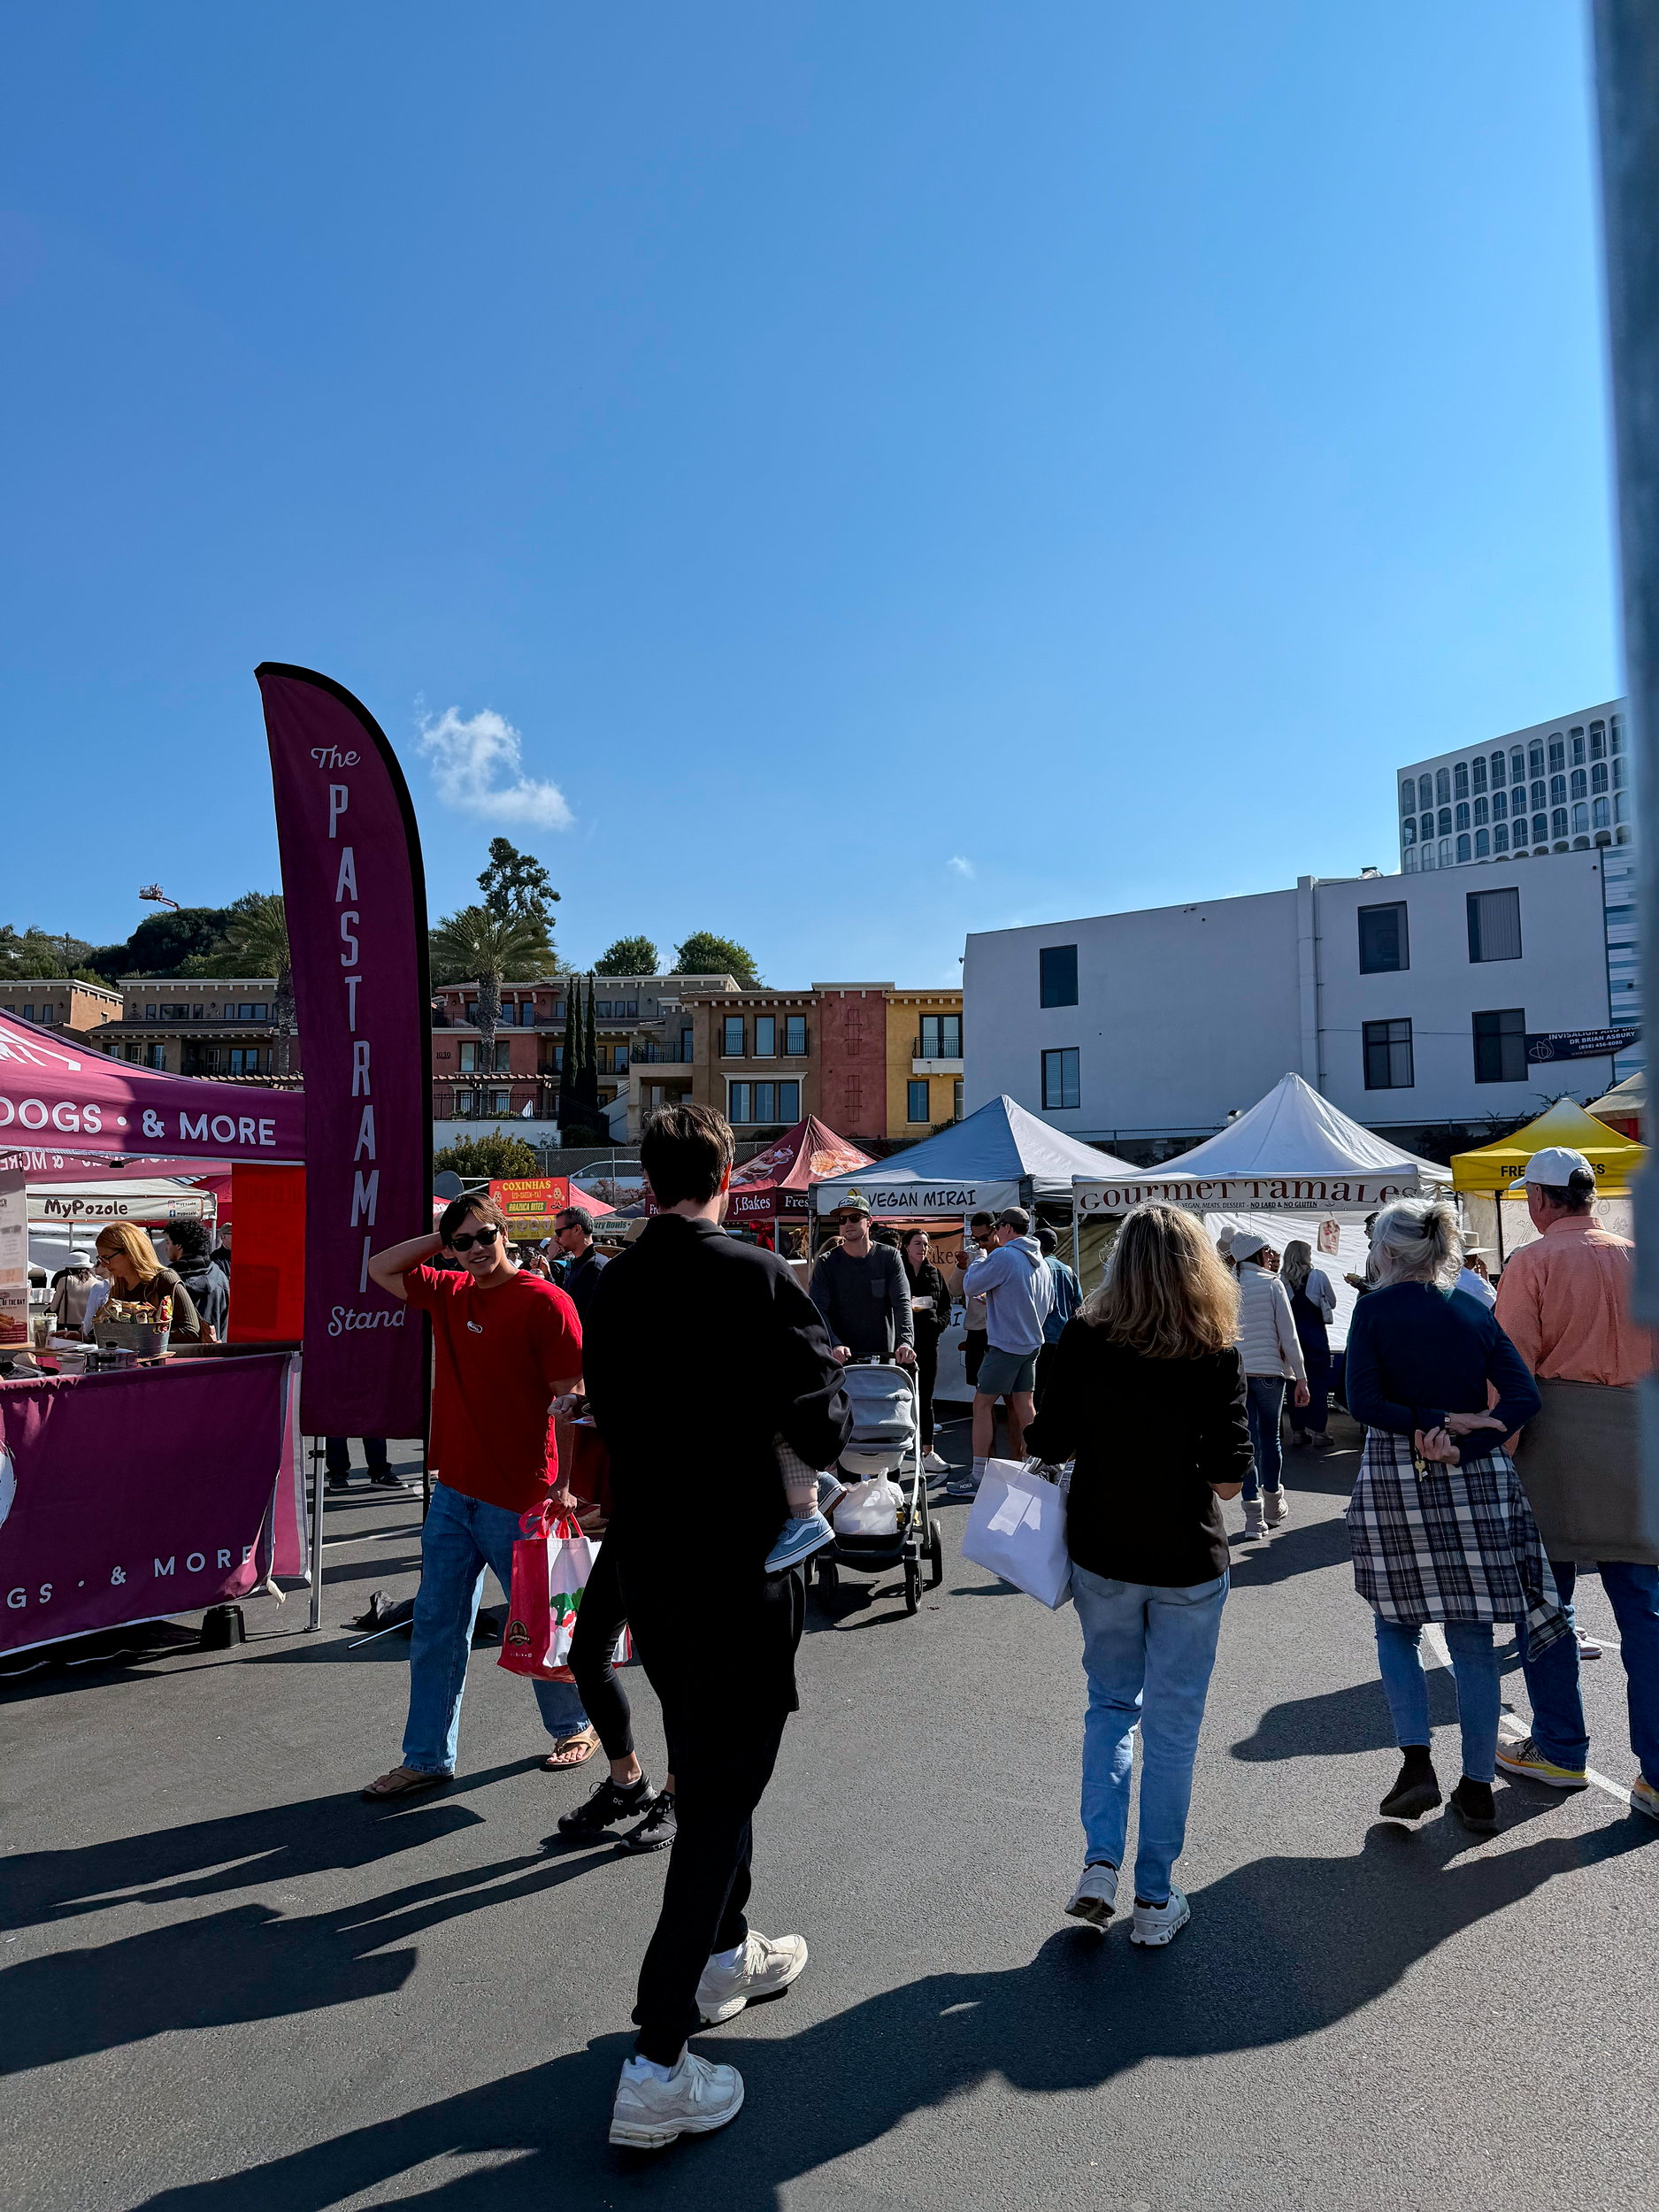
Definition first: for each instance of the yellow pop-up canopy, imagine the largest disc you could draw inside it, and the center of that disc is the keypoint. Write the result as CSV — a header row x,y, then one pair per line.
x,y
1495,1167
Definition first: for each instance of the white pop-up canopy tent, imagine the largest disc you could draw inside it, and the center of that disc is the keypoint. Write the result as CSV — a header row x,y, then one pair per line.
x,y
1293,1152
1002,1156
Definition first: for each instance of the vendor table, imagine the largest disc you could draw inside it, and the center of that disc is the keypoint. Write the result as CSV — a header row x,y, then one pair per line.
x,y
131,1496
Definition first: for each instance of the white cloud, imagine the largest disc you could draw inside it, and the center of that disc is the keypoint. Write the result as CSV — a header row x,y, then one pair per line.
x,y
478,765
963,867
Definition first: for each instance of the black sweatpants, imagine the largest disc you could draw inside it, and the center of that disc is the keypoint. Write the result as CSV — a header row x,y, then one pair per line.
x,y
926,1376
722,1761
599,1623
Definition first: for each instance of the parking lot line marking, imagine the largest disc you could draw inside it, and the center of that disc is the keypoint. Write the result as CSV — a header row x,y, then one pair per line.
x,y
1510,1726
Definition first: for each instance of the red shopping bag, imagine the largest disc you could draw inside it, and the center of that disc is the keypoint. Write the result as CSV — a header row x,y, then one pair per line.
x,y
552,1563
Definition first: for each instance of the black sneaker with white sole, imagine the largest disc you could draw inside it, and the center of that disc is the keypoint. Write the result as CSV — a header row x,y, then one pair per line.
x,y
656,1831
605,1804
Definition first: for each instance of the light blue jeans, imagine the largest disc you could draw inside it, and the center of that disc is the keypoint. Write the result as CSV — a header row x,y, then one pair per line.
x,y
462,1537
1148,1654
1475,1671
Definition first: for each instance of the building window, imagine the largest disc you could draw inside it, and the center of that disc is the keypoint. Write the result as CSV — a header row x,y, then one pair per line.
x,y
1480,812
1598,776
1577,744
1541,796
1540,828
1618,775
259,1011
1598,741
1483,845
1581,819
1558,822
1445,852
1535,757
1598,813
1442,786
1388,1057
1409,864
1494,925
1463,849
1446,821
1501,1045
1460,779
1408,796
1056,971
1579,787
916,1102
1463,815
942,1037
1615,734
1500,806
249,1060
794,1036
1424,857
1557,752
1426,828
1384,946
1558,791
1408,834
1478,772
765,1036
731,1037
1517,766
956,1098
1425,793
1497,769
1500,838
1621,808
1061,1087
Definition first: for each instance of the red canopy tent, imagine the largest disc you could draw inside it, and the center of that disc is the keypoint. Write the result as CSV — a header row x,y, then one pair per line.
x,y
776,1182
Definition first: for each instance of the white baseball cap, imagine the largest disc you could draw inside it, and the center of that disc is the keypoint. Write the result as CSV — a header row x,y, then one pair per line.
x,y
1555,1167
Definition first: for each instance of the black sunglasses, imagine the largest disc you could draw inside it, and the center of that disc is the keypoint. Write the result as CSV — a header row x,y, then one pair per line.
x,y
468,1238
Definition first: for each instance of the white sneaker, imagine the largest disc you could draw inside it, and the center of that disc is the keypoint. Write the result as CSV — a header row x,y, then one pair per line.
x,y
696,2099
1253,1525
1095,1894
1161,1924
933,1465
1277,1510
769,1963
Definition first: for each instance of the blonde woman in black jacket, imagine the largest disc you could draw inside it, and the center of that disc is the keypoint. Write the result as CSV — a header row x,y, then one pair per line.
x,y
1147,1393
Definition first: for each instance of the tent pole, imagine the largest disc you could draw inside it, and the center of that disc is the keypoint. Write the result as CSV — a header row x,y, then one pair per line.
x,y
315,1620
1498,1203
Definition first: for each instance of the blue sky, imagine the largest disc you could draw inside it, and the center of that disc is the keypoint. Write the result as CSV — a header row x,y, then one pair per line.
x,y
879,471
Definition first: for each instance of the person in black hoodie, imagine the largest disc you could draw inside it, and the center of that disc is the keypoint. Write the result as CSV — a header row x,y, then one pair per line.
x,y
709,1373
1146,1391
930,1314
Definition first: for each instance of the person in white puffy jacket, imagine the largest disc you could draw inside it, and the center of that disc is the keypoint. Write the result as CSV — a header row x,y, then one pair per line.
x,y
1271,1353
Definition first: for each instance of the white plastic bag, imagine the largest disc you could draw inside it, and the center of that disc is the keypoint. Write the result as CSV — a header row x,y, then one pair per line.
x,y
1016,1528
869,1509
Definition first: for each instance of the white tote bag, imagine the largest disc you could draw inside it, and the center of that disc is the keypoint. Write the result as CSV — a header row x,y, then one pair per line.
x,y
1016,1528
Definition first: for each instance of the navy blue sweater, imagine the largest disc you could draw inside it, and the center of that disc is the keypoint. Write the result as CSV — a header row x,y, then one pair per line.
x,y
1416,1354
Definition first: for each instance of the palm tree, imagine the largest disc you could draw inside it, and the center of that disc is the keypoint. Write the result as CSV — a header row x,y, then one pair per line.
x,y
256,943
475,945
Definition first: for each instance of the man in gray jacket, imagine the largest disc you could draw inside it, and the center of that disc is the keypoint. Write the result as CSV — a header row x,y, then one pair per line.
x,y
1018,1291
861,1289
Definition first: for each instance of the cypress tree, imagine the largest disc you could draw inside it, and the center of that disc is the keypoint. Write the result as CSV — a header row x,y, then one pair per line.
x,y
590,1062
567,1069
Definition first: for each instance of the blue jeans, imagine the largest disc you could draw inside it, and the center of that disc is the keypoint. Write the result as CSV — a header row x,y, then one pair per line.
x,y
1142,1645
1264,1402
1474,1671
462,1537
1552,1678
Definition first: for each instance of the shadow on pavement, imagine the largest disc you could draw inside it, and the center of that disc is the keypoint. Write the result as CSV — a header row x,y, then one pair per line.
x,y
1337,1722
248,1963
1276,1951
1298,1547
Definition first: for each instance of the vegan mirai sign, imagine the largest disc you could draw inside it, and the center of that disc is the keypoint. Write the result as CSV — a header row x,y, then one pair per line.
x,y
356,899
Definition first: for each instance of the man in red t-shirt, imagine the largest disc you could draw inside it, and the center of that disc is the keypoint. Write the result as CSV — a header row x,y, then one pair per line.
x,y
506,1344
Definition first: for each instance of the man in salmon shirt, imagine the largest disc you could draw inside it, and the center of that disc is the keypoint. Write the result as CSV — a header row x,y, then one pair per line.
x,y
1565,1305
506,1344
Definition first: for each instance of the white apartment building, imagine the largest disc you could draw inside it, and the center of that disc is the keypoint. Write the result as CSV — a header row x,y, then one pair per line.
x,y
1406,1000
1559,786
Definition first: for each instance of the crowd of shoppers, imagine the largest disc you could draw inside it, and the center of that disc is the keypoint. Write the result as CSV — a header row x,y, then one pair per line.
x,y
1161,1395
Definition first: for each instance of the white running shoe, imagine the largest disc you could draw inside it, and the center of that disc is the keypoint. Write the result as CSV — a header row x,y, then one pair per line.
x,y
1161,1924
769,1963
1277,1510
933,1465
1095,1894
696,2099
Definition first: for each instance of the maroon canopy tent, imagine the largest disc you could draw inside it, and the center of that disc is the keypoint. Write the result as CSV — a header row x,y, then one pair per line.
x,y
776,1182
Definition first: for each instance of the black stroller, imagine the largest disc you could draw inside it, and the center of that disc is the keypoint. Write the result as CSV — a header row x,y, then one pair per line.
x,y
886,1441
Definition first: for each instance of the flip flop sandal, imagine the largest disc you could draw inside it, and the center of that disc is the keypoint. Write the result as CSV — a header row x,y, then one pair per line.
x,y
583,1743
406,1782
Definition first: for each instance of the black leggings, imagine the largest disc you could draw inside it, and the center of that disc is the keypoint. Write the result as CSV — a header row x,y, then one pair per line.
x,y
602,1619
926,1376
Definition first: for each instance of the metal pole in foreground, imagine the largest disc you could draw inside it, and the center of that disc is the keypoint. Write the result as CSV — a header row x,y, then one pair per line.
x,y
315,1620
1627,91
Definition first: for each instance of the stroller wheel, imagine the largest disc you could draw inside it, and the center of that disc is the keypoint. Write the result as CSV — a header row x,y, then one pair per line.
x,y
935,1559
829,1582
912,1587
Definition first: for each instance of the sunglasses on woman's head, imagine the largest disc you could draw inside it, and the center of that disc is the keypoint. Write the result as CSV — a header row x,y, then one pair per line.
x,y
468,1238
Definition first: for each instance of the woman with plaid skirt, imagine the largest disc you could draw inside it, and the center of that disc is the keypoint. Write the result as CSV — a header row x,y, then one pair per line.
x,y
1438,1523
